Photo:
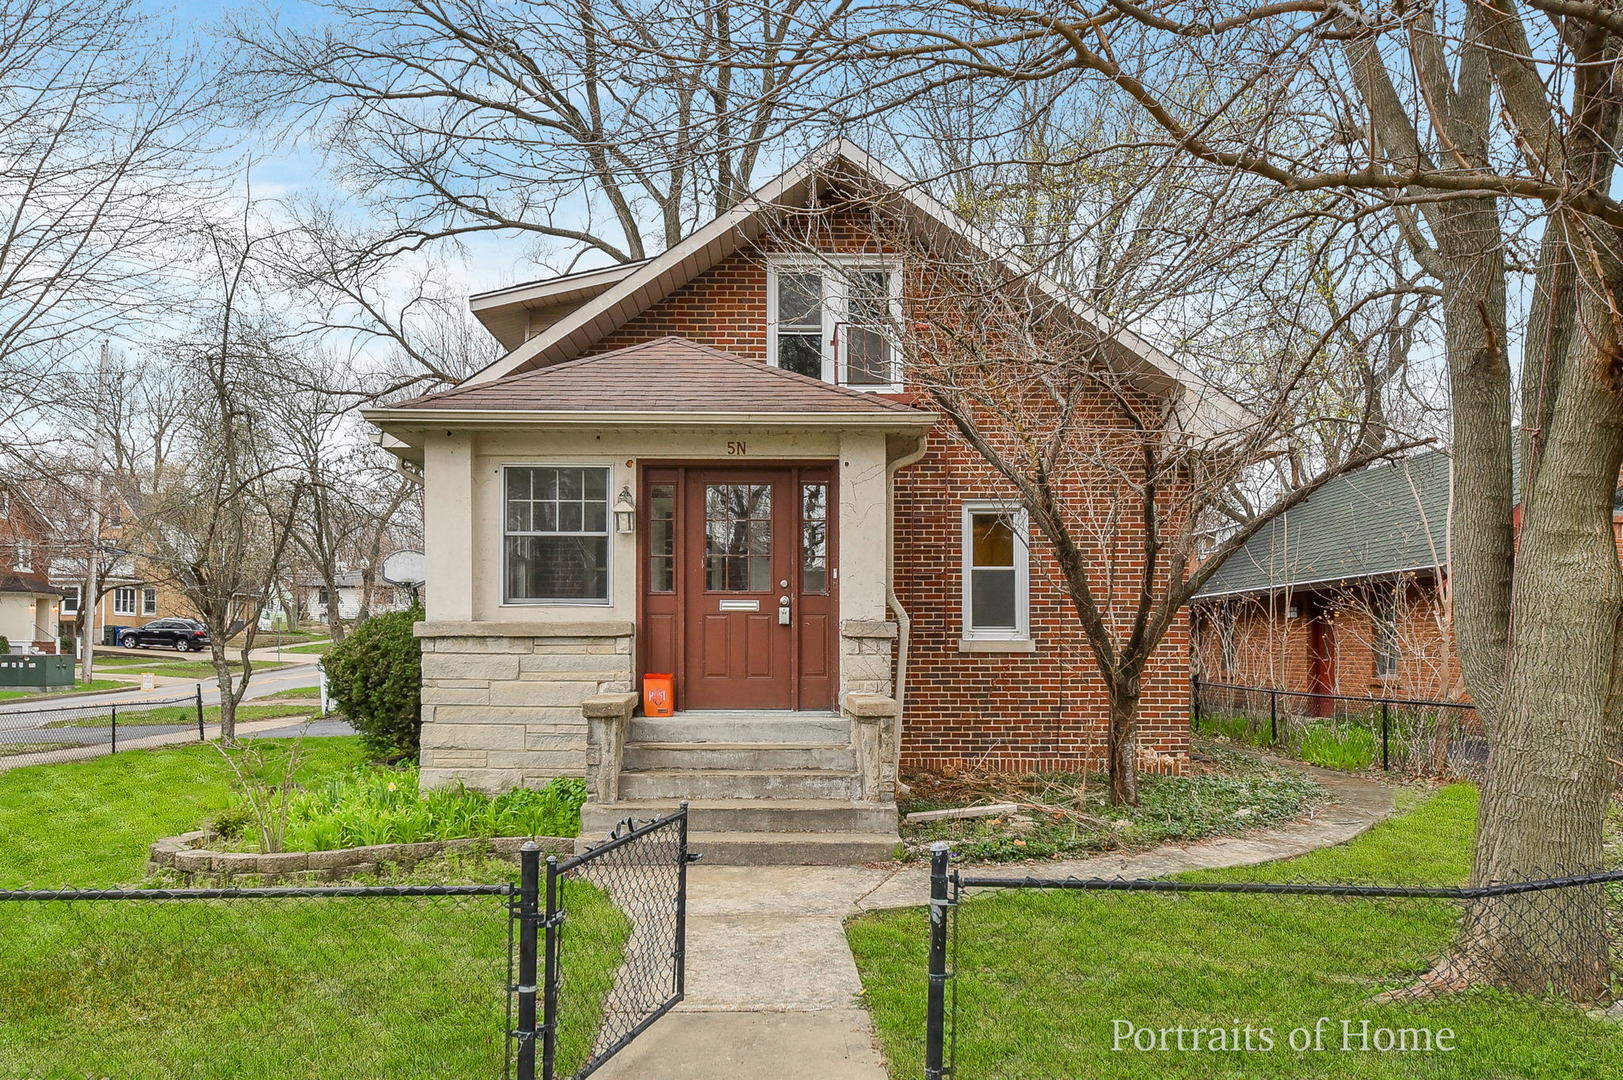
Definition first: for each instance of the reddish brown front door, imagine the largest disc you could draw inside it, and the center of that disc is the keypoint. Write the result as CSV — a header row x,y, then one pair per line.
x,y
738,585
1321,644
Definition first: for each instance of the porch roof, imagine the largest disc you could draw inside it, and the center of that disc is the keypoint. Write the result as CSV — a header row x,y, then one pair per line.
x,y
667,376
30,584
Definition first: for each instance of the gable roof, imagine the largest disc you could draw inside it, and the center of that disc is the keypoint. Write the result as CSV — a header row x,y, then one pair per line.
x,y
1385,519
652,280
666,375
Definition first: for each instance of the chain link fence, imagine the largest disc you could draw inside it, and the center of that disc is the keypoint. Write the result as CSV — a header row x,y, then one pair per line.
x,y
1130,978
1440,739
614,921
89,728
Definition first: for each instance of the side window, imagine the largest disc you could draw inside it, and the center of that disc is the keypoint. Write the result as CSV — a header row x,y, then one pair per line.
x,y
70,601
1388,649
124,600
556,533
995,572
149,601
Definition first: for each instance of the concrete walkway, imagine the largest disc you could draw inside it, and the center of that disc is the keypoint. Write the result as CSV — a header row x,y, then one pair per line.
x,y
773,987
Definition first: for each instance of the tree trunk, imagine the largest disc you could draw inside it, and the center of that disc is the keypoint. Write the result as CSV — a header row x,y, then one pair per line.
x,y
222,678
1123,742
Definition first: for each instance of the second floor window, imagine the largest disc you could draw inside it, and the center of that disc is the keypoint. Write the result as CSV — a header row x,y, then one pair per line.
x,y
70,599
836,323
25,557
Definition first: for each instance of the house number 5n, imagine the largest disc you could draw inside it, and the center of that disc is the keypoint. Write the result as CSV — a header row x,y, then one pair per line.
x,y
736,449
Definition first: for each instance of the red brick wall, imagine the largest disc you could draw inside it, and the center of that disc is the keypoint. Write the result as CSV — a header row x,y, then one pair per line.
x,y
1024,711
1272,648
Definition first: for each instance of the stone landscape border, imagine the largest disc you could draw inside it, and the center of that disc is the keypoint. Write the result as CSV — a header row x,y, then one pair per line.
x,y
187,857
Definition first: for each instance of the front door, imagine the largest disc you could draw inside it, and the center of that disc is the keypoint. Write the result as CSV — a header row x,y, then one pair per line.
x,y
1321,645
746,619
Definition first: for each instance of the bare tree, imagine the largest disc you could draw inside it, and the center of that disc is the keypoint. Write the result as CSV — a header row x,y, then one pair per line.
x,y
1481,131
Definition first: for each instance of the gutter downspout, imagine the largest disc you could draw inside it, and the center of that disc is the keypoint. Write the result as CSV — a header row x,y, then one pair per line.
x,y
904,621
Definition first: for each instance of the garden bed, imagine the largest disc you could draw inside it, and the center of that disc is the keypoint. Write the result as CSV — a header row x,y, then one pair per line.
x,y
1070,813
192,858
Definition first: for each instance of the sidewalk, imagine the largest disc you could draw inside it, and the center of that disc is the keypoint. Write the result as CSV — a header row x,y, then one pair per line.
x,y
772,986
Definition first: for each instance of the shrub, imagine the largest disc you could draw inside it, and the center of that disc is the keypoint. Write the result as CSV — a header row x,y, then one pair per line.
x,y
5,644
384,806
376,676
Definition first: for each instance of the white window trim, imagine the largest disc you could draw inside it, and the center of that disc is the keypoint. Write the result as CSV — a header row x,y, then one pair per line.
x,y
834,357
135,600
501,532
970,637
152,607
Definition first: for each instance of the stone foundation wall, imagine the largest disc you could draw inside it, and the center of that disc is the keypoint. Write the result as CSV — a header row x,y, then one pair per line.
x,y
502,701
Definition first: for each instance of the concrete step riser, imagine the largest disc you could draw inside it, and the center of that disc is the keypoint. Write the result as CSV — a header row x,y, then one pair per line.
x,y
697,785
759,758
786,850
752,816
821,732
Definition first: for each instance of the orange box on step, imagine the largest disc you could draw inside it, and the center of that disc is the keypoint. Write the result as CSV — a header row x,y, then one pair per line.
x,y
658,695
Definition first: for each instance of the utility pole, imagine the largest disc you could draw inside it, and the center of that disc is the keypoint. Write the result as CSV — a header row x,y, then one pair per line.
x,y
90,602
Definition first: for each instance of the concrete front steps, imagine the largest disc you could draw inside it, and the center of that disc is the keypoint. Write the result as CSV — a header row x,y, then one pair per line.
x,y
762,788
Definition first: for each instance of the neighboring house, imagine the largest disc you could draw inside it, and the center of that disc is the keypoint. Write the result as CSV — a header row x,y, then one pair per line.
x,y
314,597
1344,594
28,618
132,592
708,465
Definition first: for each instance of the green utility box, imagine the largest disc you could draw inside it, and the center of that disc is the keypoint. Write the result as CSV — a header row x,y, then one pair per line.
x,y
36,672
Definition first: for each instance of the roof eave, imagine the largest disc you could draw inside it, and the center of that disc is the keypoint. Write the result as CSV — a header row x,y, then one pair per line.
x,y
1343,579
400,420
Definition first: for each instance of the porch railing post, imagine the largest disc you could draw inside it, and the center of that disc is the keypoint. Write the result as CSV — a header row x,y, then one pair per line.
x,y
935,1017
526,913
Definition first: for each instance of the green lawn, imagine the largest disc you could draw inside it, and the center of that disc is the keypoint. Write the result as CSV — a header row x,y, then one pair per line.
x,y
1042,976
187,714
16,749
307,989
311,692
318,648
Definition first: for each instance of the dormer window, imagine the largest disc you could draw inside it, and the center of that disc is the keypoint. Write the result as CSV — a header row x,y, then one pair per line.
x,y
834,318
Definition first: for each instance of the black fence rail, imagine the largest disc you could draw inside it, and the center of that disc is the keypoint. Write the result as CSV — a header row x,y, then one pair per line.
x,y
1413,735
38,734
612,924
1130,972
356,981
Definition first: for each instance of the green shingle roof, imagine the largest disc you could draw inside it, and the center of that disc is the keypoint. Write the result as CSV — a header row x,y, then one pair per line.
x,y
1384,519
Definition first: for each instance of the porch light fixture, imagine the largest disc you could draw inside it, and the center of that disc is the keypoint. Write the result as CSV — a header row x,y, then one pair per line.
x,y
625,512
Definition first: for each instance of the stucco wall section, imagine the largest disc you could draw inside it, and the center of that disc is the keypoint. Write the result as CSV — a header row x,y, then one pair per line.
x,y
501,704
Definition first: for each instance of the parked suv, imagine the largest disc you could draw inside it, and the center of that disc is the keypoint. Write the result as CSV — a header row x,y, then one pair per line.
x,y
187,635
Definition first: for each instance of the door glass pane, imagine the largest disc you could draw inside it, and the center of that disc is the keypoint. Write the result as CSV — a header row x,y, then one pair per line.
x,y
991,605
662,538
814,538
738,537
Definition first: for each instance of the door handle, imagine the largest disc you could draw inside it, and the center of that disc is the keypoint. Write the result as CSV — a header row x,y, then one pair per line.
x,y
783,611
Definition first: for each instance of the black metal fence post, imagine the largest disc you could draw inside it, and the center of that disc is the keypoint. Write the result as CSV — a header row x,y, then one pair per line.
x,y
114,750
681,944
1194,696
200,736
549,992
529,890
1386,750
1273,716
935,1017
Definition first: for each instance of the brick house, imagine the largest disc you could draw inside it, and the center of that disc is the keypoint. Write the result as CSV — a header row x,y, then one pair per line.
x,y
712,465
28,602
1343,594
